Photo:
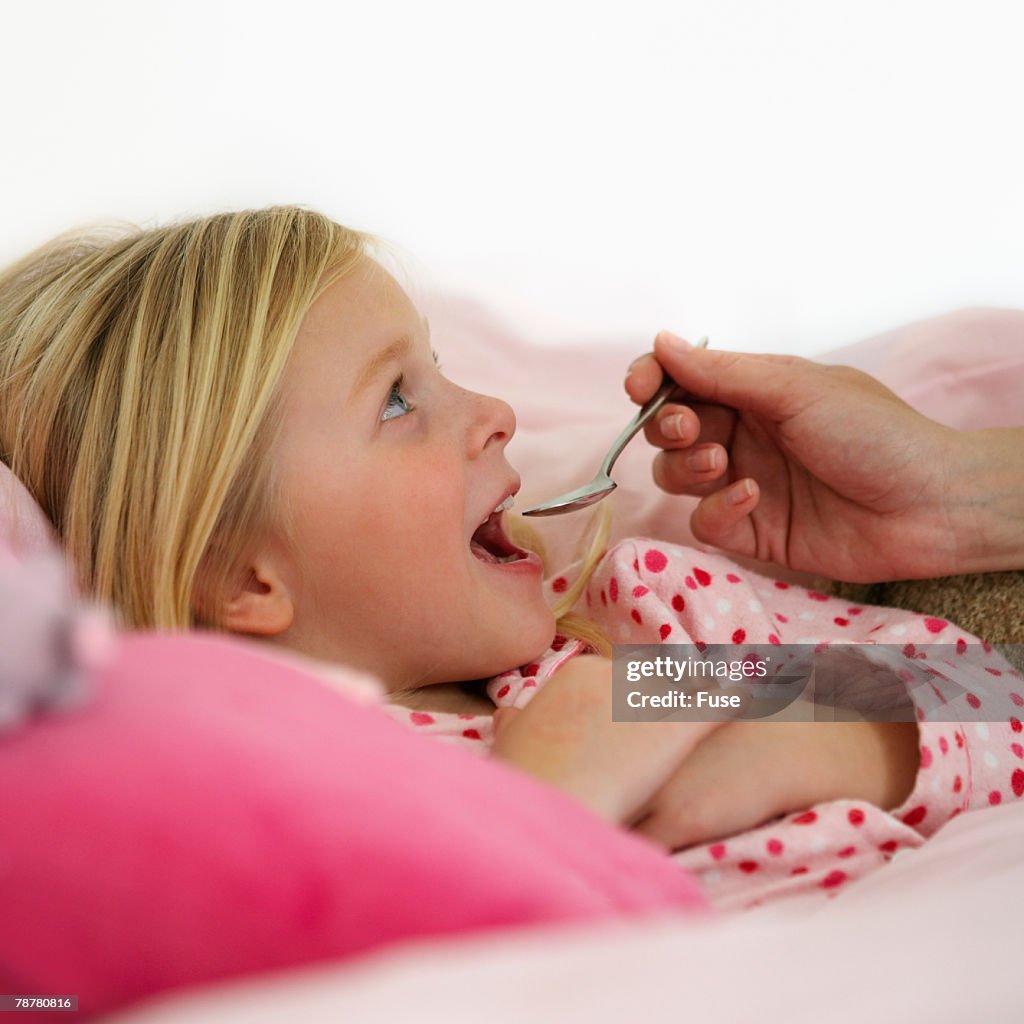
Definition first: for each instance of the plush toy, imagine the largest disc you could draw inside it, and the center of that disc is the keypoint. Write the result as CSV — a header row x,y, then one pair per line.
x,y
49,639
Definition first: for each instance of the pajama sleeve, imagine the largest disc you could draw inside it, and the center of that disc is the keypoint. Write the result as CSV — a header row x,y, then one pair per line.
x,y
970,742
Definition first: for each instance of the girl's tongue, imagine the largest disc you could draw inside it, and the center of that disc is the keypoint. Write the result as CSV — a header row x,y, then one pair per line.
x,y
490,544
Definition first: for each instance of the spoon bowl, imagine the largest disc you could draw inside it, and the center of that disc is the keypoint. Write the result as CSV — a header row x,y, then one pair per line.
x,y
589,494
602,485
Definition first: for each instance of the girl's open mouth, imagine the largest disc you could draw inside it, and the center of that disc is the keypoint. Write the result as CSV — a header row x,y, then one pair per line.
x,y
490,544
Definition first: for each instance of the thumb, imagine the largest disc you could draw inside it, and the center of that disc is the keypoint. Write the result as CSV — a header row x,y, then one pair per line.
x,y
771,385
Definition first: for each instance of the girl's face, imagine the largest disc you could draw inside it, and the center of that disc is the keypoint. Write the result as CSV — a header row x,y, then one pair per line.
x,y
387,470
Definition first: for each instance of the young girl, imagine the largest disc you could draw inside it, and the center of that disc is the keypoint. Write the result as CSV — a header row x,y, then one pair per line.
x,y
238,423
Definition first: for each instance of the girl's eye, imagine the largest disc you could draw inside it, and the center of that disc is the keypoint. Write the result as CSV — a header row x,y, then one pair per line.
x,y
397,404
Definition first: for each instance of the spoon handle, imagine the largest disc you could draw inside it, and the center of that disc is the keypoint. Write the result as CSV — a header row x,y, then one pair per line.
x,y
645,412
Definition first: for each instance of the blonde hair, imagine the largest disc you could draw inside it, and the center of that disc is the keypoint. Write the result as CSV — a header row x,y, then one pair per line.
x,y
139,398
138,383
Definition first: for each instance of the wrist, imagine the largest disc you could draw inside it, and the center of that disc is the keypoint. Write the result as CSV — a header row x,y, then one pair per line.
x,y
986,501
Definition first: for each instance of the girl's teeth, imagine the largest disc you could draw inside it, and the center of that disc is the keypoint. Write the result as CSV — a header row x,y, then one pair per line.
x,y
506,504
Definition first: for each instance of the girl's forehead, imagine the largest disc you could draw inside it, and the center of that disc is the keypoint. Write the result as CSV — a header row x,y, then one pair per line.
x,y
366,298
361,320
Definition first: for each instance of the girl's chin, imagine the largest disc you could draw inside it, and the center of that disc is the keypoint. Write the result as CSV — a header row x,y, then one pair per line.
x,y
525,648
539,642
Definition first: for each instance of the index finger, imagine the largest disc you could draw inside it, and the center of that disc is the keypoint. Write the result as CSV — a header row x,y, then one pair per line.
x,y
643,378
646,372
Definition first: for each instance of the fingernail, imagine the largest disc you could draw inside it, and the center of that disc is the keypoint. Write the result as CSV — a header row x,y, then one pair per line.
x,y
701,460
738,493
674,341
672,427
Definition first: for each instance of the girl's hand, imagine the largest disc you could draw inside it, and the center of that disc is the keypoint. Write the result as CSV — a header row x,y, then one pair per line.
x,y
821,469
566,736
750,772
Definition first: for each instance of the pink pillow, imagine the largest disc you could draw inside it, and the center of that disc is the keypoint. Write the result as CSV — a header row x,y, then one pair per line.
x,y
212,812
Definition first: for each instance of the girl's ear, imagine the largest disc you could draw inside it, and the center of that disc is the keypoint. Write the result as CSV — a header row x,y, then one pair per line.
x,y
261,603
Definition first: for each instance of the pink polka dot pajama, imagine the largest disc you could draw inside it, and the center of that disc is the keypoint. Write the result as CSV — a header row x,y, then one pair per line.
x,y
649,592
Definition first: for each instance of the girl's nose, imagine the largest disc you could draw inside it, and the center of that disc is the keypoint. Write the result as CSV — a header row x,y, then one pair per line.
x,y
491,421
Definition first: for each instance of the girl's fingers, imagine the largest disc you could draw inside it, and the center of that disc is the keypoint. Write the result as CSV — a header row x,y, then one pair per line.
x,y
701,811
714,794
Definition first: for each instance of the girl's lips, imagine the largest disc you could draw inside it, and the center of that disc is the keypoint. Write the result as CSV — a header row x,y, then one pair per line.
x,y
530,564
506,502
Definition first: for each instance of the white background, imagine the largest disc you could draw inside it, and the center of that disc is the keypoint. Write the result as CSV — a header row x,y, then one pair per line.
x,y
787,175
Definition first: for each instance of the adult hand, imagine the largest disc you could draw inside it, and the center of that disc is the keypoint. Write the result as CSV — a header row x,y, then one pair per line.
x,y
823,469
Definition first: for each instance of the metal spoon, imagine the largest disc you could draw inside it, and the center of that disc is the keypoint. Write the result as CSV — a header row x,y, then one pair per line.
x,y
602,485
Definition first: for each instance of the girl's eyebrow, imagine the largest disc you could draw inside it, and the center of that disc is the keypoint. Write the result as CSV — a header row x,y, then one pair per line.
x,y
377,363
393,353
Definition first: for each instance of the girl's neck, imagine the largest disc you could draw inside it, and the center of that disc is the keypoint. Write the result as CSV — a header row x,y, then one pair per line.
x,y
454,698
